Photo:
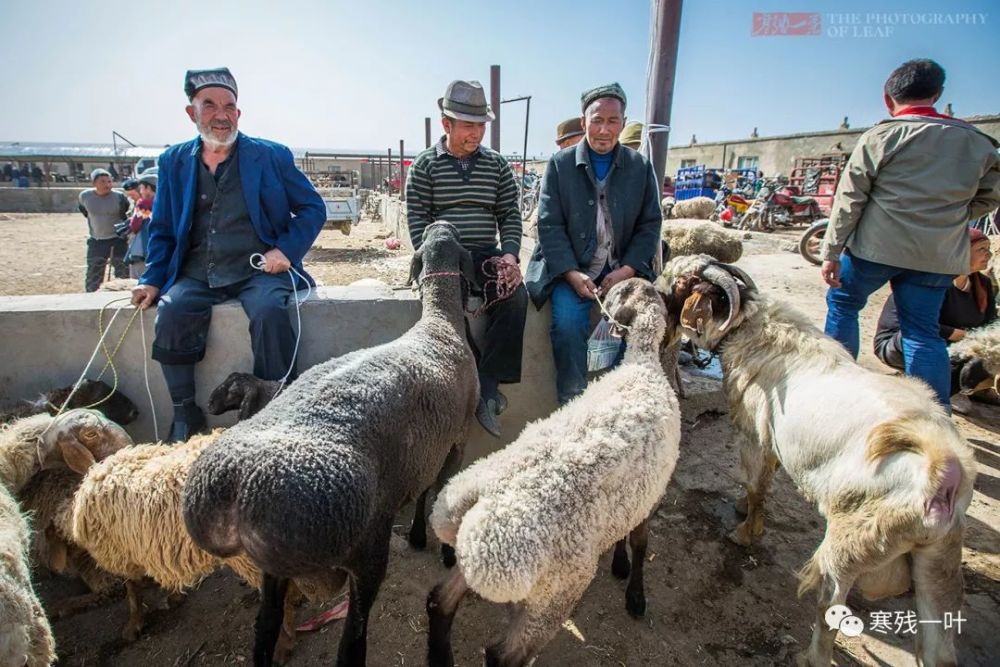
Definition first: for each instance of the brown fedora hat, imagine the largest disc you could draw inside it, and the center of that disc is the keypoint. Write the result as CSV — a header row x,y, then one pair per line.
x,y
466,100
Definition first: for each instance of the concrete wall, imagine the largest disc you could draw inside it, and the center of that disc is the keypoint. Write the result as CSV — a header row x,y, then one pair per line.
x,y
48,340
39,200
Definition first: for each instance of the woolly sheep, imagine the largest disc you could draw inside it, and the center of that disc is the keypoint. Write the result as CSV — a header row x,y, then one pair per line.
x,y
698,208
113,404
244,392
976,358
690,237
27,446
313,481
530,522
887,468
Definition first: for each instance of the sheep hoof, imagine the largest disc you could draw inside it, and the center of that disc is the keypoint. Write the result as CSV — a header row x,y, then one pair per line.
x,y
448,555
803,659
741,506
418,537
635,603
741,535
131,631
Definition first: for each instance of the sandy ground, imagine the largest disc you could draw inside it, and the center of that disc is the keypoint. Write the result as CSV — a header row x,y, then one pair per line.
x,y
709,601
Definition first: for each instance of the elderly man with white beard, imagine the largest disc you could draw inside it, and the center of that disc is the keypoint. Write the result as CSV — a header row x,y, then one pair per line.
x,y
222,198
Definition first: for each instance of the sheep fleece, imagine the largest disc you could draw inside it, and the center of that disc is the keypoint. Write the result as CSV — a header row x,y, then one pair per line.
x,y
566,490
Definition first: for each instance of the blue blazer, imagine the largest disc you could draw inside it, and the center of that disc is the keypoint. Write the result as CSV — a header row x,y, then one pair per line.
x,y
285,209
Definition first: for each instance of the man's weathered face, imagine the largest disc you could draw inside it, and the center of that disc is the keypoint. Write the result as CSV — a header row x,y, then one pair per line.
x,y
213,110
464,136
603,121
103,185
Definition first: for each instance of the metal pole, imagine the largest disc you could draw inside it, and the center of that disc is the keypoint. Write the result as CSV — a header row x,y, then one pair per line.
x,y
524,158
495,103
402,175
660,85
389,188
427,132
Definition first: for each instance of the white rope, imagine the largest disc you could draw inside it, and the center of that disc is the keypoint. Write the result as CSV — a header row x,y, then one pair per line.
x,y
145,374
86,368
258,261
646,145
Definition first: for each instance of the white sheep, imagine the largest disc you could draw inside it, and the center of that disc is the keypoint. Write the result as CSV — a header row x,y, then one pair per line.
x,y
698,208
75,439
530,521
976,358
696,237
883,462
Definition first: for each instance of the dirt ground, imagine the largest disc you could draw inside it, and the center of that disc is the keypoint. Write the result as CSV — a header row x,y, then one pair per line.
x,y
709,601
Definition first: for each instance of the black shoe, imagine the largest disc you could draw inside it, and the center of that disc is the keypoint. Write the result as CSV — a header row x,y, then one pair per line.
x,y
486,413
188,420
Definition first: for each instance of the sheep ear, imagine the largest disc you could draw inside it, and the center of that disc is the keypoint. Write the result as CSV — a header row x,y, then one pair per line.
x,y
75,455
416,266
248,406
623,317
58,558
467,267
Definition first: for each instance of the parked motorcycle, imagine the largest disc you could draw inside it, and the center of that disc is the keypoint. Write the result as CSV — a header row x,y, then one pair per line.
x,y
812,240
727,199
779,204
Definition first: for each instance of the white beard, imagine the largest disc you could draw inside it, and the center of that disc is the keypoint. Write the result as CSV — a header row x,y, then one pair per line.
x,y
209,140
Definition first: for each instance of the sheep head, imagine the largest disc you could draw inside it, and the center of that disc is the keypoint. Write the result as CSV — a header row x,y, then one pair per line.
x,y
112,403
244,392
708,296
441,251
79,438
635,302
973,374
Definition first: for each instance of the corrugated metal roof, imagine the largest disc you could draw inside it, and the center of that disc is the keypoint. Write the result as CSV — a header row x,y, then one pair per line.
x,y
25,150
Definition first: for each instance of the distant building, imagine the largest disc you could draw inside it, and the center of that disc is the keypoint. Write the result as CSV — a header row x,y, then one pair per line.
x,y
776,155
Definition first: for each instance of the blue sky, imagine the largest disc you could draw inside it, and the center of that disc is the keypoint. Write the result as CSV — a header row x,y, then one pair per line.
x,y
363,75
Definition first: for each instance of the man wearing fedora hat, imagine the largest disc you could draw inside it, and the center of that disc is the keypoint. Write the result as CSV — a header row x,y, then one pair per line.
x,y
598,224
222,198
569,132
473,188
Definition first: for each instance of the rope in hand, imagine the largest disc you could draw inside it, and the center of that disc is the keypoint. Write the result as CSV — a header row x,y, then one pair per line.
x,y
505,280
609,316
258,261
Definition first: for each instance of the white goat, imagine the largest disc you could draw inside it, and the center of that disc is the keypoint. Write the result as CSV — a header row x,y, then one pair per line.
x,y
878,456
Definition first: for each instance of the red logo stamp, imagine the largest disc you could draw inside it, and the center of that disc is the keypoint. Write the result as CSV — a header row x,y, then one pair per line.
x,y
769,24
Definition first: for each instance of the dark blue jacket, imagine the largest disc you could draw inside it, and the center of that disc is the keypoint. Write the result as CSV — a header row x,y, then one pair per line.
x,y
567,217
285,209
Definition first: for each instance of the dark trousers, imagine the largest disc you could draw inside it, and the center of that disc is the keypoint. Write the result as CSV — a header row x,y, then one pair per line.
x,y
499,356
185,312
890,353
99,252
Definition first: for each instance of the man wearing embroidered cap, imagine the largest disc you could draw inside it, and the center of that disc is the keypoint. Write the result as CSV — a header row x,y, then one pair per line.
x,y
221,198
104,209
598,224
473,188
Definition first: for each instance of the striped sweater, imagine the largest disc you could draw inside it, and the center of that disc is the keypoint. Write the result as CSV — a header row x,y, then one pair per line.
x,y
481,201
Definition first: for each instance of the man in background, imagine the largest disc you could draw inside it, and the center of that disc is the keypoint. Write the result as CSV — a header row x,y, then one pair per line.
x,y
104,209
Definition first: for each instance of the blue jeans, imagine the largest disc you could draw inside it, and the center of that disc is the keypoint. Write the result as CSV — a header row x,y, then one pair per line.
x,y
570,332
918,297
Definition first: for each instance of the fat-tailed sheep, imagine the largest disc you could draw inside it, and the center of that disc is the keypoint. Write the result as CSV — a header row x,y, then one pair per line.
x,y
312,483
697,208
887,468
695,237
530,522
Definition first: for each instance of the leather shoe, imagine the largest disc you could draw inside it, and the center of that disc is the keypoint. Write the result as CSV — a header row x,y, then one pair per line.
x,y
486,413
188,420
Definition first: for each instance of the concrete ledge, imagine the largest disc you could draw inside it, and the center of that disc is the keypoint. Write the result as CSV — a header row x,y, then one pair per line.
x,y
40,200
48,340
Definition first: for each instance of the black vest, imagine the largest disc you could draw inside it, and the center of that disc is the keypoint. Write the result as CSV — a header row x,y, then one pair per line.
x,y
222,236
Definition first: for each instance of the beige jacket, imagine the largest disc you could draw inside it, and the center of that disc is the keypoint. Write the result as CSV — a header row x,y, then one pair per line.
x,y
908,191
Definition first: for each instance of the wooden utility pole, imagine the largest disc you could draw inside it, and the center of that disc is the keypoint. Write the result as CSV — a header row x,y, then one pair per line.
x,y
495,104
389,169
427,132
665,34
402,174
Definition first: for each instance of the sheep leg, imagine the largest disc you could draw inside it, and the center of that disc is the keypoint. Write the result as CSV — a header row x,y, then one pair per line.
x,y
619,562
539,618
442,603
267,627
78,603
759,466
418,529
366,579
286,641
937,581
448,470
635,594
133,593
833,590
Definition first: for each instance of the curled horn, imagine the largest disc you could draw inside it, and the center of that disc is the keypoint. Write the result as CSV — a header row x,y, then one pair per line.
x,y
719,276
739,273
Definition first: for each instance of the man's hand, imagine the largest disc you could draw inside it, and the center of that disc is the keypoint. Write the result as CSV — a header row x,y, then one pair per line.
x,y
509,271
615,277
275,261
831,273
144,296
584,286
956,335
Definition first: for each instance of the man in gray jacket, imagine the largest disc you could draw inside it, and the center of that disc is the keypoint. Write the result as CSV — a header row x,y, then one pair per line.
x,y
900,214
104,208
598,224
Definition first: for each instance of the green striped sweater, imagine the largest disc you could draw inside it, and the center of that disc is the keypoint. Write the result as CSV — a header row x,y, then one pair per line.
x,y
480,202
